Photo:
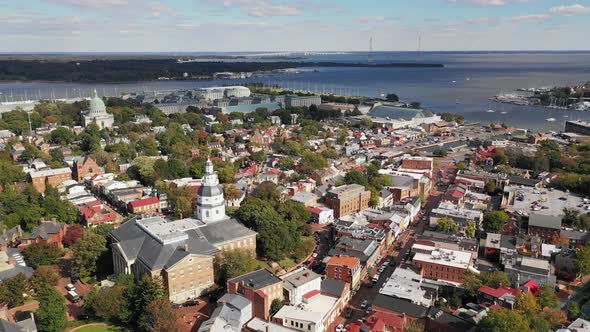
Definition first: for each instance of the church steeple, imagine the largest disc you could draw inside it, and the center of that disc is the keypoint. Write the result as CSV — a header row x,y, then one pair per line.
x,y
210,200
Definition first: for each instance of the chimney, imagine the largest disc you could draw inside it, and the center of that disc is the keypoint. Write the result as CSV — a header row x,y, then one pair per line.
x,y
186,247
267,327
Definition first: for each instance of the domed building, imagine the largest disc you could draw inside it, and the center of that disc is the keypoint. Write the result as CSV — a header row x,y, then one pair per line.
x,y
97,114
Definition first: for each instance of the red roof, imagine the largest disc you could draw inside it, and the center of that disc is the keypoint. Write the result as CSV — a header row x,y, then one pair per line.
x,y
311,294
144,201
531,285
313,209
498,292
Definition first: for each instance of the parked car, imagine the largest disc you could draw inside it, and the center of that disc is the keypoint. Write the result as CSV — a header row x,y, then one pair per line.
x,y
70,287
364,304
73,296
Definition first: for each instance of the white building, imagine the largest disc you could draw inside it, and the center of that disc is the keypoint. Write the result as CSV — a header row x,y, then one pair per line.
x,y
309,315
406,284
214,93
210,200
97,114
300,282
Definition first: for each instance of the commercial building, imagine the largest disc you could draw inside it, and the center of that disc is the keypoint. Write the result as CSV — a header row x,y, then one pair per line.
x,y
578,127
406,284
261,287
298,283
213,93
302,101
348,199
521,269
346,269
145,206
443,264
49,177
97,114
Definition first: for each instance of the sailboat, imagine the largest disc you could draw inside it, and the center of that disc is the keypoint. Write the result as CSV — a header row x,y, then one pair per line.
x,y
490,110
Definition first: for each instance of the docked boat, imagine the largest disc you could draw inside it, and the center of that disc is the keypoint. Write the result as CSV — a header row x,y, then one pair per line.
x,y
550,119
490,111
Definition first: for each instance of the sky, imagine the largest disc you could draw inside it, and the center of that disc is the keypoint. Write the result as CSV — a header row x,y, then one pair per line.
x,y
291,25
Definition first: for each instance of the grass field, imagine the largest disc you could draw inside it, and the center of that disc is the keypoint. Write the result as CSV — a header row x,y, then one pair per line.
x,y
99,328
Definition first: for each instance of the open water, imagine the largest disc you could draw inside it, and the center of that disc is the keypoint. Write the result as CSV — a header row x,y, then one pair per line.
x,y
464,85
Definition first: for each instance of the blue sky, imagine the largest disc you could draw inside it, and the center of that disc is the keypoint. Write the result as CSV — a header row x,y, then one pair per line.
x,y
291,25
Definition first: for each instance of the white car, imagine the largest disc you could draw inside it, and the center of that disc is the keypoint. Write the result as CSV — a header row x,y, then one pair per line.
x,y
364,304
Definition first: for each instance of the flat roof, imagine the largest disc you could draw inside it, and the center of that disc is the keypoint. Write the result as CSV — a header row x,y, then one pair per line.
x,y
314,311
460,259
528,200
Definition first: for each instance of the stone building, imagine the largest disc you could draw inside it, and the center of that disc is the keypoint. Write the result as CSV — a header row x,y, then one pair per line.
x,y
97,114
182,252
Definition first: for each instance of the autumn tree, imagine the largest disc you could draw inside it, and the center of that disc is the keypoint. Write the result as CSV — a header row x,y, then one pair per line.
x,y
158,317
74,233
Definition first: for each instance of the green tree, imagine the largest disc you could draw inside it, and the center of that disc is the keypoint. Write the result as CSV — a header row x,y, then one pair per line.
x,y
234,263
573,310
447,225
548,298
275,306
470,228
62,136
583,260
31,153
226,171
366,123
44,276
286,163
148,145
51,316
312,161
181,200
12,290
527,303
503,320
86,252
495,279
494,221
356,177
109,304
57,208
37,254
267,191
142,294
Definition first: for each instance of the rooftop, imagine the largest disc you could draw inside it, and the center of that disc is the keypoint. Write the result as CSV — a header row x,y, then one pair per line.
x,y
315,310
347,261
527,200
460,259
257,279
299,277
166,231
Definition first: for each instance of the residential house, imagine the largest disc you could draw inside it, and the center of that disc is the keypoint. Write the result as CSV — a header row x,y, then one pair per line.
x,y
49,232
346,269
298,283
145,206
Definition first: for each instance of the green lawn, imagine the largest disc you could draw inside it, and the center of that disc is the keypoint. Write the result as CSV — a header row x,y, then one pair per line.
x,y
99,328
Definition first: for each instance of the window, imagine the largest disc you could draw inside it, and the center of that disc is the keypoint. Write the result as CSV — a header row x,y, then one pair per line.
x,y
173,276
207,213
173,290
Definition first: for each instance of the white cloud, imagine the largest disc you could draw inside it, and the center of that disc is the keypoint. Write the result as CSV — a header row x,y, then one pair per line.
x,y
570,10
529,18
91,3
487,3
264,8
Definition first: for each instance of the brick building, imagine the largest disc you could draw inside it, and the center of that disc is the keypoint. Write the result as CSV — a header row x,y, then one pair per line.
x,y
145,206
348,199
443,264
47,232
261,287
346,269
49,177
84,167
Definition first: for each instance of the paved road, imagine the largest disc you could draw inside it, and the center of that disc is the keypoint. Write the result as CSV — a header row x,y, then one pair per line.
x,y
406,240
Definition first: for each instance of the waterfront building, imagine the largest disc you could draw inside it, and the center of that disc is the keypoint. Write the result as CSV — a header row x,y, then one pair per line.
x,y
578,127
97,114
302,101
213,93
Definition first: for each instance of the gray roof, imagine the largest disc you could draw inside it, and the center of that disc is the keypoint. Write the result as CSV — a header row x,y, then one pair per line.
x,y
402,181
398,305
396,112
452,321
10,273
44,229
299,278
333,287
235,300
545,221
208,191
367,247
27,325
225,230
257,279
135,243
